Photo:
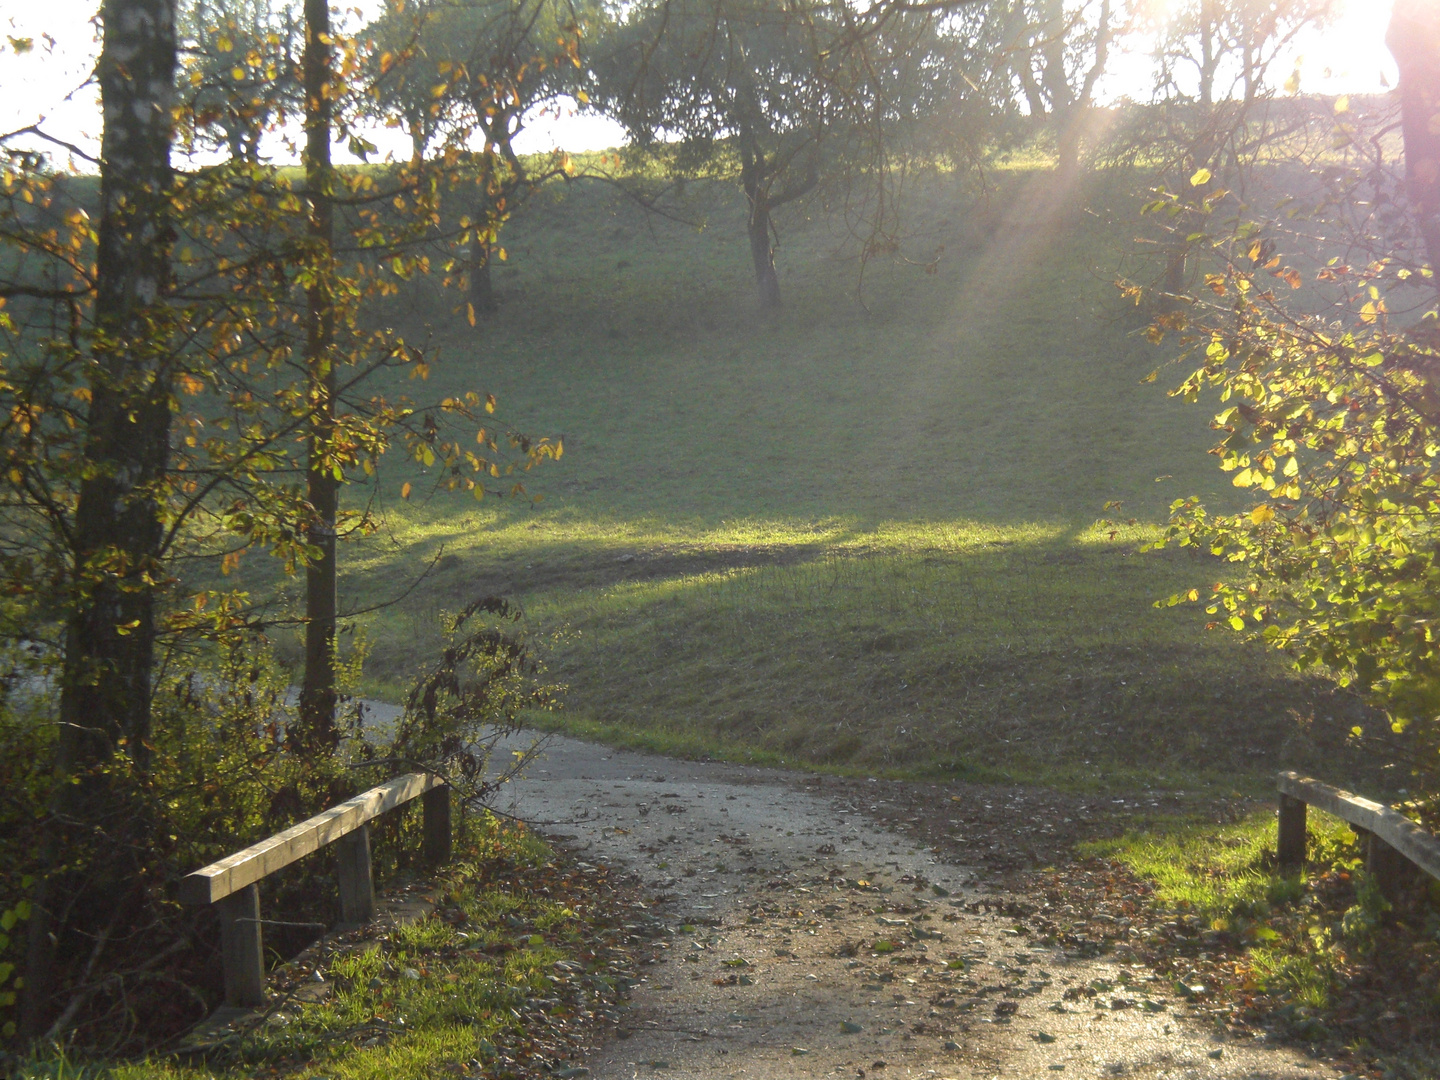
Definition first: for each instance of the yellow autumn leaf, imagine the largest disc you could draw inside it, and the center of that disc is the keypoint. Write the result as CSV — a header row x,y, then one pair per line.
x,y
1261,514
1201,177
405,490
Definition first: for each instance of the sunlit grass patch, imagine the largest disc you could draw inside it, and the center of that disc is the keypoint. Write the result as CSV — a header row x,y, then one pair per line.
x,y
1221,872
1320,956
1294,930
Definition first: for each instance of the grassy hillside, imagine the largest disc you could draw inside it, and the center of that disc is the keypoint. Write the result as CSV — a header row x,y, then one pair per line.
x,y
861,539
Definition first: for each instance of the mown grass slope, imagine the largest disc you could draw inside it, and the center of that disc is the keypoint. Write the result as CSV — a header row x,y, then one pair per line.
x,y
861,536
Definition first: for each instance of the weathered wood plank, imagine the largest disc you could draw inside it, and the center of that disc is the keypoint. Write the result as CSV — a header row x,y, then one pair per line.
x,y
220,879
1392,827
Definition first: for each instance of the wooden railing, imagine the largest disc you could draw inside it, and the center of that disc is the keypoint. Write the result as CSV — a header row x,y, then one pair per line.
x,y
1393,843
232,884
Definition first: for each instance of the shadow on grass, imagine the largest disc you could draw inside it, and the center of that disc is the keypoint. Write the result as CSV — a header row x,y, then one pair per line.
x,y
1034,657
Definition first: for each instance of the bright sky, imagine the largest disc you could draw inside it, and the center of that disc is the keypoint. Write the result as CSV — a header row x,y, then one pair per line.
x,y
49,82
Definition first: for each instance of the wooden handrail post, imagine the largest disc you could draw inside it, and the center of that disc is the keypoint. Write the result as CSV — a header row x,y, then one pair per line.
x,y
1386,865
241,951
357,884
436,804
1290,850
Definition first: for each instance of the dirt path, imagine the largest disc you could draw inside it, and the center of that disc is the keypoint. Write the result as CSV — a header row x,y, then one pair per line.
x,y
803,939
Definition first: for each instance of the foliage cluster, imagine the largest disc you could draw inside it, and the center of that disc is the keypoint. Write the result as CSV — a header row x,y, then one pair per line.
x,y
1316,326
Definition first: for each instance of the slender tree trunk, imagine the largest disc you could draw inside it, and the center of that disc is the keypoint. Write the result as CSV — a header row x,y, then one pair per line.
x,y
481,287
1068,137
419,138
235,139
757,226
317,690
1054,77
108,662
1021,47
1414,39
762,252
1174,281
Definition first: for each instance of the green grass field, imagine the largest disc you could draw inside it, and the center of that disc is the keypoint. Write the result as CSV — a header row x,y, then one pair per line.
x,y
862,540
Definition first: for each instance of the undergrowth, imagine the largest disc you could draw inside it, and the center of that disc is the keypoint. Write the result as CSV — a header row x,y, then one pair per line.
x,y
519,961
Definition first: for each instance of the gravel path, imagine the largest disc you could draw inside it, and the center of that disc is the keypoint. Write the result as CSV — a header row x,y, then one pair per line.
x,y
803,939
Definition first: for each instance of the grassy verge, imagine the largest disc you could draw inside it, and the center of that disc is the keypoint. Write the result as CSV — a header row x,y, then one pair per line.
x,y
520,963
1317,956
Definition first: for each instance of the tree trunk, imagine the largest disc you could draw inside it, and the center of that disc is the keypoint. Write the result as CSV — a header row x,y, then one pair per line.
x,y
1054,77
1414,40
1174,281
482,288
1068,136
419,138
317,691
108,662
763,255
235,138
1020,46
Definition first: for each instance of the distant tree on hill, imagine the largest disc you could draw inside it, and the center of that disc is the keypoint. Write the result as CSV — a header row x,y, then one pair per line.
x,y
737,85
1219,105
403,77
784,99
1058,51
469,75
1213,51
240,75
